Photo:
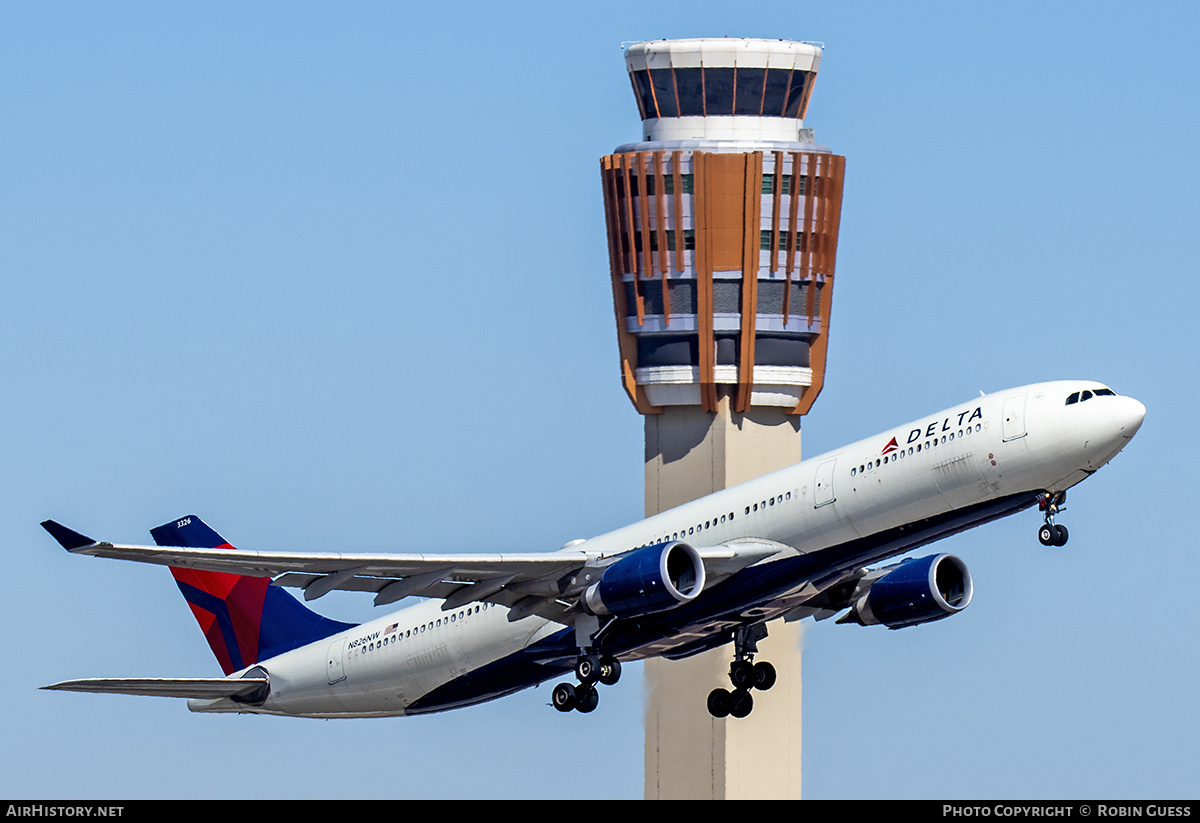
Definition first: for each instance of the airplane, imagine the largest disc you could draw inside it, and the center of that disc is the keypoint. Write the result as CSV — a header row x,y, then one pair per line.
x,y
804,541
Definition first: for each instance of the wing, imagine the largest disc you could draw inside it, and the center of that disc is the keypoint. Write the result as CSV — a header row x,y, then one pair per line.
x,y
527,583
547,584
209,688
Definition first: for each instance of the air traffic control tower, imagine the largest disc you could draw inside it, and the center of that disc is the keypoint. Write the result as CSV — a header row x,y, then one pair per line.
x,y
722,235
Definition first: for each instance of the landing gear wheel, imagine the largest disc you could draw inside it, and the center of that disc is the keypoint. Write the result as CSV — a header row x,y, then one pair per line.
x,y
564,697
588,699
587,669
1050,505
741,674
719,702
610,671
764,676
742,704
744,674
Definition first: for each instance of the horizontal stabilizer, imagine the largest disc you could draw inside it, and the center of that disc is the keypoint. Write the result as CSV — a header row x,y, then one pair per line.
x,y
205,688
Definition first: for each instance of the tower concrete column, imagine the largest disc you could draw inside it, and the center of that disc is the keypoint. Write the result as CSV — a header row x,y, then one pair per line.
x,y
690,754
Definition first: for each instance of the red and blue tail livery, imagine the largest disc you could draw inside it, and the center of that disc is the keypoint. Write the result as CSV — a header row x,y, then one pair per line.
x,y
245,619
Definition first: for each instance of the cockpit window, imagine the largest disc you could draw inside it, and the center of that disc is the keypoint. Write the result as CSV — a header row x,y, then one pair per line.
x,y
1079,397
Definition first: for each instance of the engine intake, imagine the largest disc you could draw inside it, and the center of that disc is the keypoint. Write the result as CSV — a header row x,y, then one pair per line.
x,y
917,591
652,579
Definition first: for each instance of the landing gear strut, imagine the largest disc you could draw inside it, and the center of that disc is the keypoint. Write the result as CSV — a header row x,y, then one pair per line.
x,y
591,668
744,674
1051,534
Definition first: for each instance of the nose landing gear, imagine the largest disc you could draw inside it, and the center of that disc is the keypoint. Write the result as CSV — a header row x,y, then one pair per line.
x,y
1051,534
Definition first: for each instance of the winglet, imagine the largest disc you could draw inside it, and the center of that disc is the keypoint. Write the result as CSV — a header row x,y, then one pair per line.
x,y
69,540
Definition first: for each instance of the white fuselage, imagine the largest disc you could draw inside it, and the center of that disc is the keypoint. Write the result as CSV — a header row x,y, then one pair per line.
x,y
995,448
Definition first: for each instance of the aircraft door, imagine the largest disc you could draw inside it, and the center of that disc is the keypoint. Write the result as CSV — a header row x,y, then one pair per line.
x,y
1014,418
823,493
333,656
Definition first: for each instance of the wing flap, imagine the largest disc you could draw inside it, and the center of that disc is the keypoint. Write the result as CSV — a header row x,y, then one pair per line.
x,y
205,688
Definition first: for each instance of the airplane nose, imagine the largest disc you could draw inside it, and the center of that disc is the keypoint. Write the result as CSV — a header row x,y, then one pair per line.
x,y
1128,415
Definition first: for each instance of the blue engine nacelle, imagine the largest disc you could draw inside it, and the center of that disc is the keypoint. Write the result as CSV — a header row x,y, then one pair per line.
x,y
917,591
648,580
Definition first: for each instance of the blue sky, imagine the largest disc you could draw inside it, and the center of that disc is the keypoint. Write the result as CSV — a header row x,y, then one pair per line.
x,y
334,277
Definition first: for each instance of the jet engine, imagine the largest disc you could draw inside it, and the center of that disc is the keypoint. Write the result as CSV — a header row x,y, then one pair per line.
x,y
651,579
916,591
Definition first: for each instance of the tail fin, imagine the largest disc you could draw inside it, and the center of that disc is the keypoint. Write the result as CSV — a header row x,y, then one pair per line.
x,y
245,619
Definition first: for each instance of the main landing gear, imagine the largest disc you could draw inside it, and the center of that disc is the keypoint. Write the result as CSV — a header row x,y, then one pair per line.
x,y
744,674
590,669
1051,534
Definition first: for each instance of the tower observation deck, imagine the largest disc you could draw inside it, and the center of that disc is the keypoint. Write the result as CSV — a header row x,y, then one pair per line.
x,y
722,237
722,227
